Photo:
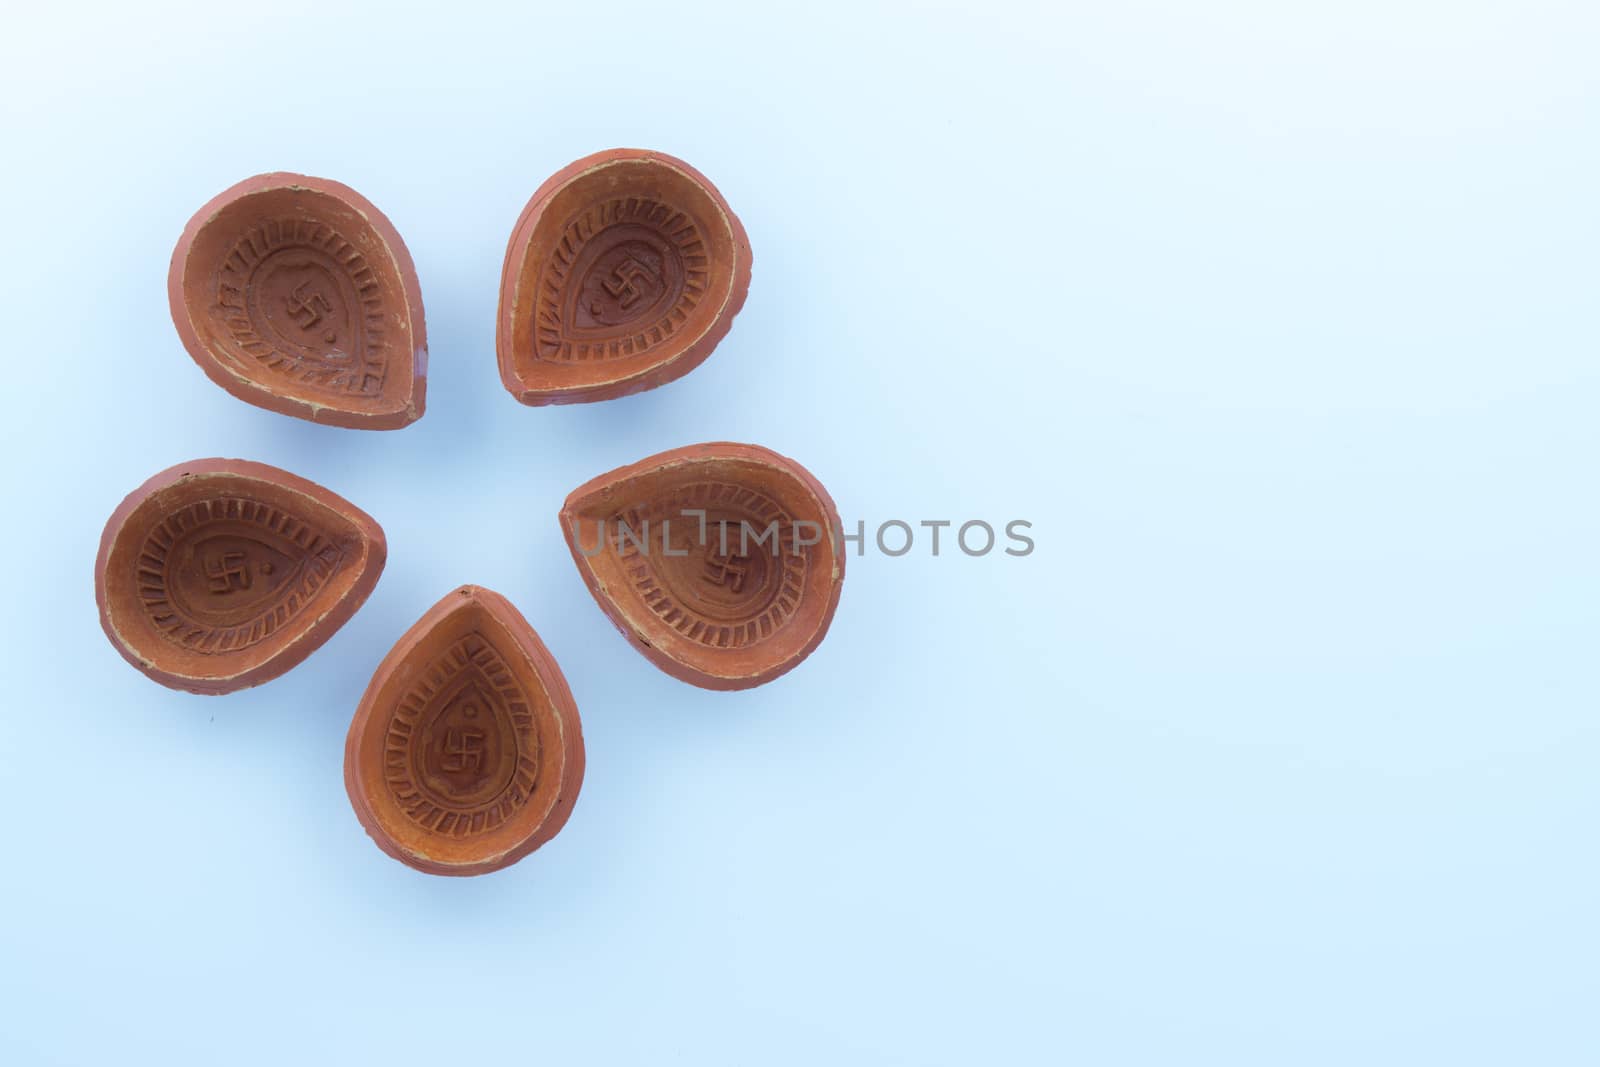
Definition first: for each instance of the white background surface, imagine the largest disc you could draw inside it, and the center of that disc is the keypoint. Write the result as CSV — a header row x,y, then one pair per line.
x,y
1277,321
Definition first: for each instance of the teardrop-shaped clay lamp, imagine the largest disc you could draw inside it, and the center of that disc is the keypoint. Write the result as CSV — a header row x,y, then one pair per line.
x,y
466,752
721,562
623,272
221,574
297,295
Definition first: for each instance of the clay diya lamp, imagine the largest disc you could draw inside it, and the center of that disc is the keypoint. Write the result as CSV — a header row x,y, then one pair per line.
x,y
721,562
297,295
466,752
623,272
220,574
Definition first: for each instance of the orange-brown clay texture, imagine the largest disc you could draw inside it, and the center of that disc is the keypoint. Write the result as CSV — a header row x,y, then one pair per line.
x,y
624,271
721,612
220,574
296,294
466,752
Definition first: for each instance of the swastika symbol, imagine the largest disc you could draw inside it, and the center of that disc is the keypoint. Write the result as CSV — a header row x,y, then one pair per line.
x,y
312,305
621,283
463,751
728,571
226,572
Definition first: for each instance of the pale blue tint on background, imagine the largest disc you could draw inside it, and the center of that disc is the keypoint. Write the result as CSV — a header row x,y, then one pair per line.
x,y
1278,322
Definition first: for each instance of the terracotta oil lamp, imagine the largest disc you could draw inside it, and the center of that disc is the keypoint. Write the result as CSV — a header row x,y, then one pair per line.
x,y
297,295
220,574
466,752
722,563
624,271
